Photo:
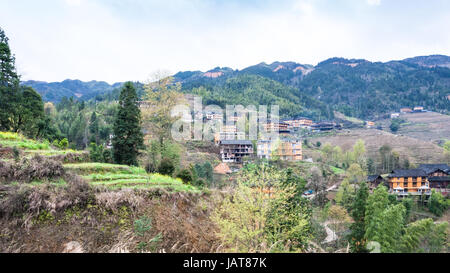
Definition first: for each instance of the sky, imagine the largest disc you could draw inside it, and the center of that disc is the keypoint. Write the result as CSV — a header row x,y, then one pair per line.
x,y
121,40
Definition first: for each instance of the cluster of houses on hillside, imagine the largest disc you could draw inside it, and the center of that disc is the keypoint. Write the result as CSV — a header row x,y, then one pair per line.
x,y
415,182
407,110
234,147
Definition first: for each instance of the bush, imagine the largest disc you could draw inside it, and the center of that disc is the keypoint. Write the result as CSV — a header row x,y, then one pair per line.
x,y
64,143
150,167
200,182
166,167
437,204
186,176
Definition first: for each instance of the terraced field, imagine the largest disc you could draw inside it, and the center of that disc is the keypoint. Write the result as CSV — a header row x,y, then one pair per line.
x,y
115,176
111,176
418,151
29,148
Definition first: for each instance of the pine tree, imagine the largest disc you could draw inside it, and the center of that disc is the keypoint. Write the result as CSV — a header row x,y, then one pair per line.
x,y
358,213
128,136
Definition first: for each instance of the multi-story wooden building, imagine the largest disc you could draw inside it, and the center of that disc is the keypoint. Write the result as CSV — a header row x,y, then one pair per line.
x,y
233,151
299,122
438,176
280,127
285,149
323,126
405,182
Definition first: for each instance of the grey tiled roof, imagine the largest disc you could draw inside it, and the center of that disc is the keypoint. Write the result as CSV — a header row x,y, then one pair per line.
x,y
431,168
236,142
408,173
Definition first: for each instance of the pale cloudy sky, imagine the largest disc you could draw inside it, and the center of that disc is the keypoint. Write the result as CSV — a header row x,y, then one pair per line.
x,y
119,40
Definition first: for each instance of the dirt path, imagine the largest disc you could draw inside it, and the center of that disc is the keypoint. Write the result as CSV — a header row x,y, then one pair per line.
x,y
331,235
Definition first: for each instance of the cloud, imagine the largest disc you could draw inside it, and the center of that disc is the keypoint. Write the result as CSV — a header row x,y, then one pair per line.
x,y
374,2
73,3
120,40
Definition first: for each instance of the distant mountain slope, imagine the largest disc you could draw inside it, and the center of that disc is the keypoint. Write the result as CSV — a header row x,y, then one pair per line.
x,y
430,61
355,87
55,91
255,90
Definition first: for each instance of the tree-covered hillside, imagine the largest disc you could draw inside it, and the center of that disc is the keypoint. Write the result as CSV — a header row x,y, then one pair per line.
x,y
355,87
55,91
256,90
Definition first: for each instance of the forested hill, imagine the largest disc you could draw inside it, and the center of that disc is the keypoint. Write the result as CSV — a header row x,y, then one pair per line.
x,y
55,91
355,87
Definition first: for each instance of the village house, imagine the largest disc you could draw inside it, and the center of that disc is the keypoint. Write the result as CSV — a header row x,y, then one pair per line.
x,y
323,126
418,109
284,149
370,124
406,110
280,127
222,168
395,115
438,176
300,122
233,151
228,132
409,182
374,181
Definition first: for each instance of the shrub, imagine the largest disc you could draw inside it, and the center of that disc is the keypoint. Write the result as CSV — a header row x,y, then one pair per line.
x,y
64,143
166,167
185,175
150,167
437,204
200,182
142,225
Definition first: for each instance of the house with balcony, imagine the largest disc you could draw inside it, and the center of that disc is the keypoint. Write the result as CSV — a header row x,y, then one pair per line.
x,y
280,127
284,149
299,122
438,176
409,182
233,151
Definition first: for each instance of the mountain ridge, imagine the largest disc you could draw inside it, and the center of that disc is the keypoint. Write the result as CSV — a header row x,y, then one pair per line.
x,y
355,87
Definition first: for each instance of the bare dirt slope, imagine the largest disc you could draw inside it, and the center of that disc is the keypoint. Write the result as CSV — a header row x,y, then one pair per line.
x,y
418,151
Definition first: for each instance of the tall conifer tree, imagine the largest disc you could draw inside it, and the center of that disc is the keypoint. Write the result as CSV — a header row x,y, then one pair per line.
x,y
128,136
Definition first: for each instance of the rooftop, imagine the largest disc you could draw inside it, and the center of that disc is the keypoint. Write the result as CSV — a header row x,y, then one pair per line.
x,y
408,173
236,142
431,168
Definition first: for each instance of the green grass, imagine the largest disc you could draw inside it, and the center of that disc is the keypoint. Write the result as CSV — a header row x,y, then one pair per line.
x,y
25,144
10,136
102,168
134,178
55,152
337,170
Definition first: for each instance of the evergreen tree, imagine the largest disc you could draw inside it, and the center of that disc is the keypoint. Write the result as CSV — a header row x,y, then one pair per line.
x,y
9,83
94,128
128,136
358,228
